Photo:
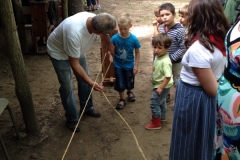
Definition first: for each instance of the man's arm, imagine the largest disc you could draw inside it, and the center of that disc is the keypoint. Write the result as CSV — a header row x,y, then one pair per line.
x,y
79,71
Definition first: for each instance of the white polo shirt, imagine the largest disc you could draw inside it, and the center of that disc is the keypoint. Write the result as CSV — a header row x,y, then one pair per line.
x,y
71,37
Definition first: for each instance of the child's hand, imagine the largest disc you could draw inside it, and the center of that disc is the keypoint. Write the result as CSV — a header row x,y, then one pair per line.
x,y
135,70
154,23
159,90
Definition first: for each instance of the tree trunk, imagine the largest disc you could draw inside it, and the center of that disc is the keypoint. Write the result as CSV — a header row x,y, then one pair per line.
x,y
17,4
75,6
22,88
65,9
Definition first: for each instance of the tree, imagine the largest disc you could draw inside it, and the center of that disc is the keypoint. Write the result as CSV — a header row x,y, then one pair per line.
x,y
71,7
17,4
65,9
22,88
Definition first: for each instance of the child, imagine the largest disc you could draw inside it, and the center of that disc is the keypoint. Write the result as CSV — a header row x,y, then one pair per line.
x,y
177,33
91,5
157,23
194,118
161,79
125,43
98,5
182,14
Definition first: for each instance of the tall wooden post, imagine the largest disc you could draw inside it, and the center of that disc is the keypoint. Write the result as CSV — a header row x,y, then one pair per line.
x,y
107,74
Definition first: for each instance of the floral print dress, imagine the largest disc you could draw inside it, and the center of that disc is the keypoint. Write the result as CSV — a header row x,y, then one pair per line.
x,y
227,139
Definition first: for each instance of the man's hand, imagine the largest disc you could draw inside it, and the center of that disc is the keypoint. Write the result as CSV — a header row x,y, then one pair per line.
x,y
98,87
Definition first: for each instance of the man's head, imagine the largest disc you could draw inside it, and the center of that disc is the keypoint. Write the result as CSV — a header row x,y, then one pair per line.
x,y
103,23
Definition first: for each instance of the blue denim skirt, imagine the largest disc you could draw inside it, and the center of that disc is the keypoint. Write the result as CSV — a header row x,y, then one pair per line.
x,y
193,125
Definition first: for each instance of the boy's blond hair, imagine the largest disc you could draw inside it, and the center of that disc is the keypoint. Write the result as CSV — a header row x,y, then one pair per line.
x,y
156,11
124,19
183,10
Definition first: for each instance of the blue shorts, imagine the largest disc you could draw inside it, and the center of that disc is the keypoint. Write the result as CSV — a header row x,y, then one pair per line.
x,y
124,79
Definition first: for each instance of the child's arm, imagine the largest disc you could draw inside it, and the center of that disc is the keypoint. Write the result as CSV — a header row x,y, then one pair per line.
x,y
176,56
155,28
207,80
137,58
163,85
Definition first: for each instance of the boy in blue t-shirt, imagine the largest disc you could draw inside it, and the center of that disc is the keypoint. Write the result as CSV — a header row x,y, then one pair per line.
x,y
125,69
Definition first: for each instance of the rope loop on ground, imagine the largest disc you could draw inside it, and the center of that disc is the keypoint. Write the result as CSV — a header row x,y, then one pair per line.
x,y
134,136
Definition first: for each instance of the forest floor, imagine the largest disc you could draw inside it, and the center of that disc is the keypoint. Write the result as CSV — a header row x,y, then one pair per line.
x,y
107,137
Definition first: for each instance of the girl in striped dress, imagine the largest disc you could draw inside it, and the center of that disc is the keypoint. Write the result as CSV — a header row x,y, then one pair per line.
x,y
193,125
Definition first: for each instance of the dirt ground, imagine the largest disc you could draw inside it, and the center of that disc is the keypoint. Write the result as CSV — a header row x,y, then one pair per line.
x,y
107,137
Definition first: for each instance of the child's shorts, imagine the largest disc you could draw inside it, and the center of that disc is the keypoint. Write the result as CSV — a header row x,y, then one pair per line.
x,y
124,79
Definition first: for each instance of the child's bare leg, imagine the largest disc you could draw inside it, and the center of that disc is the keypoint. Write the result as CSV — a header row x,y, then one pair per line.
x,y
121,95
121,103
131,96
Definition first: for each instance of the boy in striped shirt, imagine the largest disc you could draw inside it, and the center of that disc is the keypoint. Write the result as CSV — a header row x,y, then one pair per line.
x,y
177,33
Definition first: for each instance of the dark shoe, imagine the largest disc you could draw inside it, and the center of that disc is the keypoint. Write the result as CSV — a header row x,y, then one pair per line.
x,y
72,126
93,113
131,96
168,98
120,106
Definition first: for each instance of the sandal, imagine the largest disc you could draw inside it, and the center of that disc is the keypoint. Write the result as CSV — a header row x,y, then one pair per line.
x,y
120,106
89,9
132,98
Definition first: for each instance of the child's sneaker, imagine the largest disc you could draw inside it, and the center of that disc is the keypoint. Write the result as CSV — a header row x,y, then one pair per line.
x,y
98,7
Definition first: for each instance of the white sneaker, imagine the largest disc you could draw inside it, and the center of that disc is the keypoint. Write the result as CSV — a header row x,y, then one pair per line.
x,y
98,7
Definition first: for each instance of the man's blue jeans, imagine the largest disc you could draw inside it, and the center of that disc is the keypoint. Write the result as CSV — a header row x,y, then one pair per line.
x,y
158,103
66,90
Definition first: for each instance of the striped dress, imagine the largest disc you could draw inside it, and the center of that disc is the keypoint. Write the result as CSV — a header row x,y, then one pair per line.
x,y
193,125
